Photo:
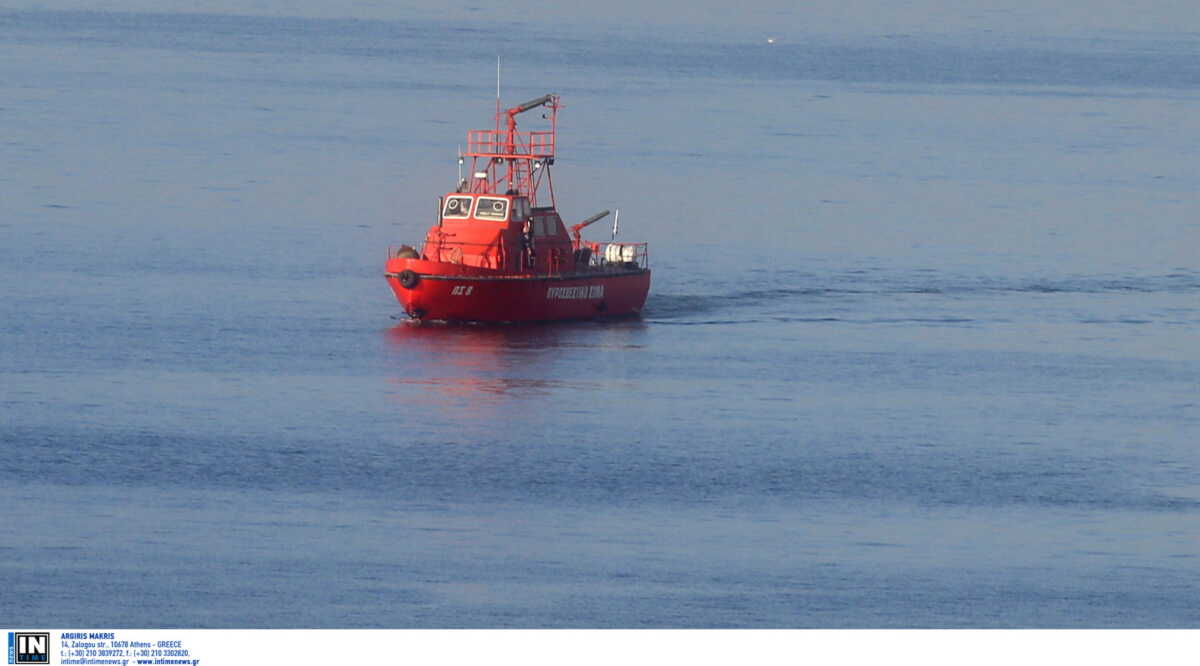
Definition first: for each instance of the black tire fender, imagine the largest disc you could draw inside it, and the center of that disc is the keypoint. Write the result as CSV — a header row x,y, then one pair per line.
x,y
408,279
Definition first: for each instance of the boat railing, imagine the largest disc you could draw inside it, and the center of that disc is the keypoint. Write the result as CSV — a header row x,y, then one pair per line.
x,y
481,255
611,256
497,143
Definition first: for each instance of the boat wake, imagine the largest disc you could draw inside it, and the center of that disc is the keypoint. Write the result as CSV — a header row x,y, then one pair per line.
x,y
828,297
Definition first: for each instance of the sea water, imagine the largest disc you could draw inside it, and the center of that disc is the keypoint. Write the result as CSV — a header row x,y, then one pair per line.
x,y
922,347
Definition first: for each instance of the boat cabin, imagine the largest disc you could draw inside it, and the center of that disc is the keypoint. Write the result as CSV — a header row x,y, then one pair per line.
x,y
499,231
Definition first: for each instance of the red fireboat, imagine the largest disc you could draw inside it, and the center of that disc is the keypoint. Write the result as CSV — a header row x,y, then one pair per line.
x,y
500,252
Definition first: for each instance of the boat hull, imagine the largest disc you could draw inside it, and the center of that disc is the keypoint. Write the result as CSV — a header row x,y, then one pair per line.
x,y
435,291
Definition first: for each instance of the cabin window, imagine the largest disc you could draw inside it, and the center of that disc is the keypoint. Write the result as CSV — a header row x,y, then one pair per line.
x,y
520,209
457,208
545,225
491,209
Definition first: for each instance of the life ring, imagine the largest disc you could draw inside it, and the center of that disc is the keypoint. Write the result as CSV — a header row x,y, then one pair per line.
x,y
408,279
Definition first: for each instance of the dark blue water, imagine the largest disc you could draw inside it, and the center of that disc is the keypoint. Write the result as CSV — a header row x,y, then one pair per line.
x,y
922,347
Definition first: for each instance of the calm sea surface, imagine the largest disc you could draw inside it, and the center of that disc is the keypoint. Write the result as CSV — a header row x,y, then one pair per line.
x,y
922,347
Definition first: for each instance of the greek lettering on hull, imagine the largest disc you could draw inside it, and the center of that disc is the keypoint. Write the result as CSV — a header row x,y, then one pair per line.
x,y
585,291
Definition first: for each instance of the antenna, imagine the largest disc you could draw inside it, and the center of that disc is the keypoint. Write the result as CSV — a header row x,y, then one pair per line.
x,y
497,91
616,221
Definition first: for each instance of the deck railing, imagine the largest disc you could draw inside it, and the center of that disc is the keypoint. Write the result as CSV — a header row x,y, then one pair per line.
x,y
482,255
611,256
495,143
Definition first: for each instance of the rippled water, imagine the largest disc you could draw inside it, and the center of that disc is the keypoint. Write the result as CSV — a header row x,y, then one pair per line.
x,y
920,350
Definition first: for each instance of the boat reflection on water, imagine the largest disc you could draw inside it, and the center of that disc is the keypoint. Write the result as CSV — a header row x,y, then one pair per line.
x,y
490,373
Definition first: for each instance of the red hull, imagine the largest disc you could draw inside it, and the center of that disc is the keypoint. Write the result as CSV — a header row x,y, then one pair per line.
x,y
449,292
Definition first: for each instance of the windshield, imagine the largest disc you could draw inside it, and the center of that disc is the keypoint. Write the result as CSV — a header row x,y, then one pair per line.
x,y
458,207
492,209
